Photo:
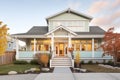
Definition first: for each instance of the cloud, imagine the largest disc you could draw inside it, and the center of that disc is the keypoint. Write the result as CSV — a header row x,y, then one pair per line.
x,y
116,3
106,19
74,5
107,16
97,6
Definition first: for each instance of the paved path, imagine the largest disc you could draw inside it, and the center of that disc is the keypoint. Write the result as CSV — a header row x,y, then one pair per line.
x,y
18,77
59,73
62,70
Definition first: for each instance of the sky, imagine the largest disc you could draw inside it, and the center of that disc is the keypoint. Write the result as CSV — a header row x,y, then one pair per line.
x,y
21,15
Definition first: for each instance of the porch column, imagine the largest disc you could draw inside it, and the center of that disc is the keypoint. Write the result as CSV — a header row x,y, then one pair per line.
x,y
69,41
52,42
34,46
17,48
92,47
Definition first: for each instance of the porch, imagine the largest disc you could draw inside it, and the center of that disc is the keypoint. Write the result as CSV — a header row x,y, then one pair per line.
x,y
83,54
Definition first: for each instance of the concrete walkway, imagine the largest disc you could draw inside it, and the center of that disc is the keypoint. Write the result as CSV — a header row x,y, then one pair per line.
x,y
59,73
62,70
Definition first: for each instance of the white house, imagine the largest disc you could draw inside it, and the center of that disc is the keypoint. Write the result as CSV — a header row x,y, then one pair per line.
x,y
64,30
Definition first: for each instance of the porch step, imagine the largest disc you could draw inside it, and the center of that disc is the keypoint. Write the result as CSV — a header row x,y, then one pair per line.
x,y
61,62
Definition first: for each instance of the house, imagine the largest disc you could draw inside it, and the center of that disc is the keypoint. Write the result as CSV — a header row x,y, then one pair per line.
x,y
10,44
65,30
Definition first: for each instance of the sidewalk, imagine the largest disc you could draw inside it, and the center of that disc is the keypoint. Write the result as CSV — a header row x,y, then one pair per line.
x,y
18,77
59,73
66,74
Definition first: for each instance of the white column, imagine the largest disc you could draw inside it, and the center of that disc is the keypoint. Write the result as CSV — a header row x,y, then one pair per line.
x,y
17,49
52,42
92,47
69,41
34,46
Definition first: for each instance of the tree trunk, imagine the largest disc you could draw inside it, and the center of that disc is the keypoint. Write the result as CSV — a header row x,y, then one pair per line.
x,y
115,59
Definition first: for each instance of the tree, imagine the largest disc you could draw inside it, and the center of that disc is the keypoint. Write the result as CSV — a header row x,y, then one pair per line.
x,y
111,45
3,38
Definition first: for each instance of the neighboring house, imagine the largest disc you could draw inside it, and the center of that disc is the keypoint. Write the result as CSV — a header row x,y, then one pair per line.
x,y
10,44
65,30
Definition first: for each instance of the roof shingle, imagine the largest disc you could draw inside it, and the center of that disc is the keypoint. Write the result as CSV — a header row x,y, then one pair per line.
x,y
41,30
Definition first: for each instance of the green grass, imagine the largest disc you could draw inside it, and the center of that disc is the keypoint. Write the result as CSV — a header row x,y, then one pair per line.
x,y
4,69
96,68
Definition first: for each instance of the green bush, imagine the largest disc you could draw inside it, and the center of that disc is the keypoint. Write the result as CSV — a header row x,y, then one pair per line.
x,y
82,62
20,62
110,62
34,62
90,62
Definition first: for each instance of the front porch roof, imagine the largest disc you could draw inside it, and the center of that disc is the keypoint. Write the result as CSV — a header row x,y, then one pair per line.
x,y
61,27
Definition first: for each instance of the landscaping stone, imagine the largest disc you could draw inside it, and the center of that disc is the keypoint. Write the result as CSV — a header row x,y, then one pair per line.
x,y
45,69
108,66
31,70
12,72
27,71
83,70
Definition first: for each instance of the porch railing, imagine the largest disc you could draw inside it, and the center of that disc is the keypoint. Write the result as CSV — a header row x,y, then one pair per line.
x,y
30,54
88,54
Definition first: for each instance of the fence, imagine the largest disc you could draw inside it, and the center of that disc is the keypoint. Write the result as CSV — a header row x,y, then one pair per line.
x,y
7,58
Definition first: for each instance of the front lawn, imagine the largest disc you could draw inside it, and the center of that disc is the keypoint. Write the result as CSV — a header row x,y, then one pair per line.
x,y
4,69
96,68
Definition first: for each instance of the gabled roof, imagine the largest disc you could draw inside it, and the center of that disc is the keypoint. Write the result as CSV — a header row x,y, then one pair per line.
x,y
70,11
61,27
93,30
41,30
36,30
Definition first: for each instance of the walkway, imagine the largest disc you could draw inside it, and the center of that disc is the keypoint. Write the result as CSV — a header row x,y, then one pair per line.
x,y
59,73
62,70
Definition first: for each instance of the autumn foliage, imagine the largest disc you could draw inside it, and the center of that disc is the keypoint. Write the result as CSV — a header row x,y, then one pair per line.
x,y
111,44
3,38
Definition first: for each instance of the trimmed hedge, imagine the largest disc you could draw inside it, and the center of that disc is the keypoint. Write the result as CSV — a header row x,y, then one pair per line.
x,y
20,62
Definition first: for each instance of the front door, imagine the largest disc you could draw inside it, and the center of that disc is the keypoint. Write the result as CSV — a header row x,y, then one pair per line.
x,y
61,49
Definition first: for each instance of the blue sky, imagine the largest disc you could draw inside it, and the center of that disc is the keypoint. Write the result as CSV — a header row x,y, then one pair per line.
x,y
21,15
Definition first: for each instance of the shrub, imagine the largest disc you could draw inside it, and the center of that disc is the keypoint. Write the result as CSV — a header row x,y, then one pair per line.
x,y
20,62
34,62
82,62
110,62
90,62
77,58
44,58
